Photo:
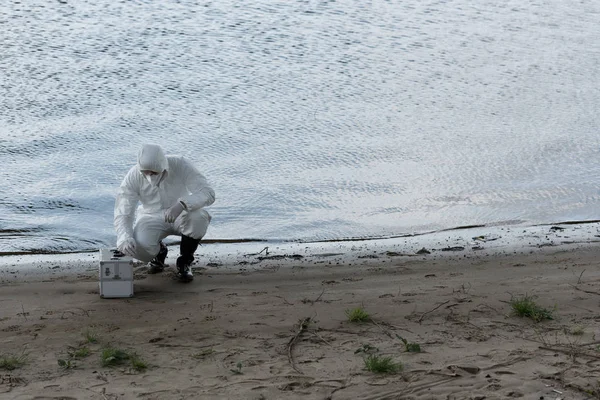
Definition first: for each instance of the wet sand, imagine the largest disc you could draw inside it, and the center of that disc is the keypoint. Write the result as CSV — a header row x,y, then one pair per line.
x,y
258,326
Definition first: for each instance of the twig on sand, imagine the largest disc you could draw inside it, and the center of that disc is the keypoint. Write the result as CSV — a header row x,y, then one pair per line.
x,y
314,301
505,364
319,336
432,310
23,309
453,375
319,298
571,352
580,275
384,383
285,300
491,308
586,291
383,330
590,343
303,326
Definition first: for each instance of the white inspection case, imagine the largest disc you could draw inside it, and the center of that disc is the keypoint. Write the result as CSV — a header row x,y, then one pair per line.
x,y
116,274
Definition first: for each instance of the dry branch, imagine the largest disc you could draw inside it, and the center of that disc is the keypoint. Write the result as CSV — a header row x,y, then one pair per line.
x,y
432,310
586,291
303,325
570,352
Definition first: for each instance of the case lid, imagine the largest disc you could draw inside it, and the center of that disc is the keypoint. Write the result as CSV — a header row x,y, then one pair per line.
x,y
114,255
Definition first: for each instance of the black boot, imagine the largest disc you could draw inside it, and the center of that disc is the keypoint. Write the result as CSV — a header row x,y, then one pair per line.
x,y
184,262
158,264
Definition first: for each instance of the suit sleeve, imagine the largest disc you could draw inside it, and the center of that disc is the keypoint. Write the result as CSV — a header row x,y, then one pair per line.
x,y
200,194
125,206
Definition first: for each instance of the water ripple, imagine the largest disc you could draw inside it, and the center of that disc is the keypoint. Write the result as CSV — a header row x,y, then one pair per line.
x,y
312,119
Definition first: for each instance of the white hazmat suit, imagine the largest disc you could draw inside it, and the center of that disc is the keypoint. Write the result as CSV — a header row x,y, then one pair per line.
x,y
174,183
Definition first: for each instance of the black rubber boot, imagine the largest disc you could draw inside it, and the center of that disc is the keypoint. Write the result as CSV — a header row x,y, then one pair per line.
x,y
184,262
158,264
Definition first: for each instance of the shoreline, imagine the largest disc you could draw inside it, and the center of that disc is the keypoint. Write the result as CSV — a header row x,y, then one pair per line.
x,y
496,225
472,241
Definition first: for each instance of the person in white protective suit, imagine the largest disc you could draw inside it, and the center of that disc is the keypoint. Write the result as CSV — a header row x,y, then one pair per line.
x,y
173,194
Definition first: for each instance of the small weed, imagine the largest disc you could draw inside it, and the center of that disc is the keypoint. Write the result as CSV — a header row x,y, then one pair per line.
x,y
66,364
81,352
358,315
382,365
137,363
367,349
577,331
238,369
10,362
304,323
90,336
527,307
111,357
410,347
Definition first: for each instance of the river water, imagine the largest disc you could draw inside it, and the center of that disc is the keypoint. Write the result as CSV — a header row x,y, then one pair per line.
x,y
311,119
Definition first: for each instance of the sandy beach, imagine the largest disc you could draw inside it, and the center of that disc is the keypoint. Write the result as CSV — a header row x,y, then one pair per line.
x,y
275,325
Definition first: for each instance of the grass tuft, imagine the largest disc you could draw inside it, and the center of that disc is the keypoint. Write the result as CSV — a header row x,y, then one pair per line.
x,y
382,365
367,349
81,352
578,331
137,363
410,347
11,362
358,314
111,357
526,306
238,369
90,336
66,364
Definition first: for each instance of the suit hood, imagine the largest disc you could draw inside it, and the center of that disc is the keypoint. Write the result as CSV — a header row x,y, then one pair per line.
x,y
152,157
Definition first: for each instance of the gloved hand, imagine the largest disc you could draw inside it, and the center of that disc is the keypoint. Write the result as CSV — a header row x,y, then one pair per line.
x,y
128,247
172,213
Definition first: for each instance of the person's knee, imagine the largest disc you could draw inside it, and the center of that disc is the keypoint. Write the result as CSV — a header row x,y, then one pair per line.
x,y
196,224
145,251
146,247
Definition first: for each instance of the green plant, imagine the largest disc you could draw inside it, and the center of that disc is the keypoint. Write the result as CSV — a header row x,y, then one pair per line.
x,y
111,357
526,306
80,352
577,331
65,364
367,349
238,369
382,365
90,336
137,363
410,347
358,314
11,362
